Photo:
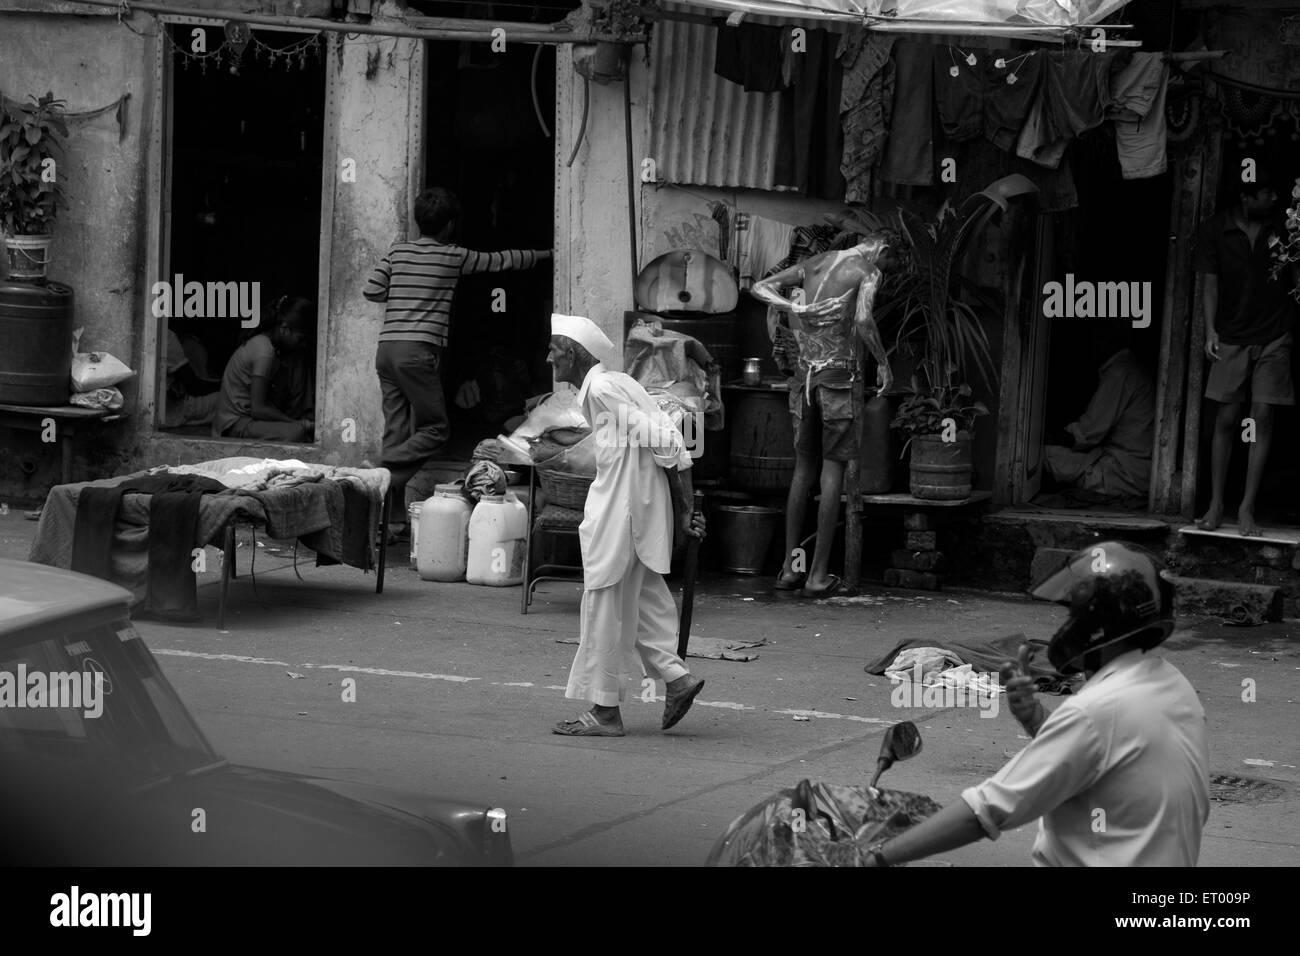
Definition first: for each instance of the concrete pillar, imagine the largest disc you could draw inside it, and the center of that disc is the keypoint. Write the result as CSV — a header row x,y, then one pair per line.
x,y
375,127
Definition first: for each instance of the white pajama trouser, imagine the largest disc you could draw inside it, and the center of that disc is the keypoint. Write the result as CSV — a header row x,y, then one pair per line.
x,y
629,630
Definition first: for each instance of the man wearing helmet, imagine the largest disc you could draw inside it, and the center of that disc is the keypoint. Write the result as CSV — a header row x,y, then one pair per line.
x,y
1117,775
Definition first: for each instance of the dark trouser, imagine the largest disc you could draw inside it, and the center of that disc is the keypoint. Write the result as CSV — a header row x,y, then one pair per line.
x,y
415,409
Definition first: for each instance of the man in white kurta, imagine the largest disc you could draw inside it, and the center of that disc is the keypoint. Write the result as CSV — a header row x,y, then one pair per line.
x,y
628,617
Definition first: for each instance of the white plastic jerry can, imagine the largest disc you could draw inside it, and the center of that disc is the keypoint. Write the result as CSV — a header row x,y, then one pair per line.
x,y
441,552
497,536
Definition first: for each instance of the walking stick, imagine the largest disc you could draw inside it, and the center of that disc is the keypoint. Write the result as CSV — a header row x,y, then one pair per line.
x,y
688,582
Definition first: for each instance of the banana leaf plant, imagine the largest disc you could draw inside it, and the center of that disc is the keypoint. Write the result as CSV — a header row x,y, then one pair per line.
x,y
30,134
929,305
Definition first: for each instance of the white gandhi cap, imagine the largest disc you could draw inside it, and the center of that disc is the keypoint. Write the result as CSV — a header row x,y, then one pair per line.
x,y
586,333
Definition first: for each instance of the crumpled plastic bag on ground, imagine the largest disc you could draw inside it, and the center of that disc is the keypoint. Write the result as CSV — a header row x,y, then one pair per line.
x,y
109,399
930,660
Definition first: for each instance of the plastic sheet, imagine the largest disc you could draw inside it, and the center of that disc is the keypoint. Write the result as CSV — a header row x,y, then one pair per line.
x,y
819,824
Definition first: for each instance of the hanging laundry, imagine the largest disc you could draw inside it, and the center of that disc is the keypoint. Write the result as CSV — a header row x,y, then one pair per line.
x,y
987,92
721,214
909,148
761,244
1138,94
812,144
752,55
1072,99
866,100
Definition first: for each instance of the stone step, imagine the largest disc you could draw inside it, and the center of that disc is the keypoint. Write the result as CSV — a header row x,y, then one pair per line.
x,y
1231,600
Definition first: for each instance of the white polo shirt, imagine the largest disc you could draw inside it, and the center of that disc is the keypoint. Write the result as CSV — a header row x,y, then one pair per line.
x,y
1118,773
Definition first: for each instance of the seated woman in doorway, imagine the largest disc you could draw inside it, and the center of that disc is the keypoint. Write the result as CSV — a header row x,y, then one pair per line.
x,y
245,408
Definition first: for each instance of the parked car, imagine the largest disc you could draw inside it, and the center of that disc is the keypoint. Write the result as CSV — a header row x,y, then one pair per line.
x,y
139,784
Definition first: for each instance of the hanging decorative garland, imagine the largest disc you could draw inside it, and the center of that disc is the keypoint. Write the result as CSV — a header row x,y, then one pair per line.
x,y
236,38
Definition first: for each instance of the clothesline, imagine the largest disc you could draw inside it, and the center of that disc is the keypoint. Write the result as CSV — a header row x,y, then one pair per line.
x,y
10,106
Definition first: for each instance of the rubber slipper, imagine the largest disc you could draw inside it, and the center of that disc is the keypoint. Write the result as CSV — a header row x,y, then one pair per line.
x,y
796,585
586,725
836,582
676,705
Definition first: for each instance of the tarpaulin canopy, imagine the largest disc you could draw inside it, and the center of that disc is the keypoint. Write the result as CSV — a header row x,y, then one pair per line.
x,y
1027,18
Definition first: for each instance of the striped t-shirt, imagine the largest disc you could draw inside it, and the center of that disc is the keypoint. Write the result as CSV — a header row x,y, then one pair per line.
x,y
418,280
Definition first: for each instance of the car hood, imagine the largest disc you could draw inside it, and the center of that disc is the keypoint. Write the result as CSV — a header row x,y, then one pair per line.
x,y
232,815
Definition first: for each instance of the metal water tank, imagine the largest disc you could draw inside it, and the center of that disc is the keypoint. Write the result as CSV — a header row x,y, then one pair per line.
x,y
35,343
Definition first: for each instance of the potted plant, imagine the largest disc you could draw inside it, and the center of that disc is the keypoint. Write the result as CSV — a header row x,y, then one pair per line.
x,y
933,311
938,421
30,194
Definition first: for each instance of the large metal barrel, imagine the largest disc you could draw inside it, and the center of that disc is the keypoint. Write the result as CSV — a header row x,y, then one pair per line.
x,y
762,437
35,343
717,333
941,471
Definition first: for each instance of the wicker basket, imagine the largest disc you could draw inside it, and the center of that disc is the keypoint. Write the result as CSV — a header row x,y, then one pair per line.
x,y
565,489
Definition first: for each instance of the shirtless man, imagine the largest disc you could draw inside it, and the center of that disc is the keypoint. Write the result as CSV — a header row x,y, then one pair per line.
x,y
833,299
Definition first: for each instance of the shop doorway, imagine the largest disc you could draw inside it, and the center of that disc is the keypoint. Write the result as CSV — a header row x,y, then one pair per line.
x,y
1117,234
490,139
242,201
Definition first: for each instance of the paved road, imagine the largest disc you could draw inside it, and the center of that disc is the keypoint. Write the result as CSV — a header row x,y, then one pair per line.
x,y
456,692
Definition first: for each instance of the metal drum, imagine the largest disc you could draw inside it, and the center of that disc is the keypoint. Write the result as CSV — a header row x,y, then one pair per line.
x,y
35,343
762,437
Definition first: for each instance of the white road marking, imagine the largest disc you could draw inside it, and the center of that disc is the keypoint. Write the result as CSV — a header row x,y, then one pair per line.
x,y
221,657
378,671
455,678
826,716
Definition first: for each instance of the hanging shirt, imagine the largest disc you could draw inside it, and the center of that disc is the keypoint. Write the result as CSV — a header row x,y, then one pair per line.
x,y
629,505
751,55
1132,742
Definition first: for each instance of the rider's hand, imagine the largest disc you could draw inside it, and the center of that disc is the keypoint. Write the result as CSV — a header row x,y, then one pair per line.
x,y
1020,693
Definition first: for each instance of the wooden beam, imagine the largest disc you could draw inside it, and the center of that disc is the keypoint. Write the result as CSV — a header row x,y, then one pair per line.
x,y
1013,344
1171,387
1211,170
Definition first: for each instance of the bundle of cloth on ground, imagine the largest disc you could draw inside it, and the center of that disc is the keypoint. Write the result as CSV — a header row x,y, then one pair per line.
x,y
140,530
966,662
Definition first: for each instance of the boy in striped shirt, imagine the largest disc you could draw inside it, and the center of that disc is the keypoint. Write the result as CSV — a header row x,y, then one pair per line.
x,y
417,280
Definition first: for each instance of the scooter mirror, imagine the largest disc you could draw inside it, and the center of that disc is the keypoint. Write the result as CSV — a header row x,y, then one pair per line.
x,y
902,741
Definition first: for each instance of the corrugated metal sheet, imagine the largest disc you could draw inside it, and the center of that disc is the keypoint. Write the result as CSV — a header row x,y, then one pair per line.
x,y
704,130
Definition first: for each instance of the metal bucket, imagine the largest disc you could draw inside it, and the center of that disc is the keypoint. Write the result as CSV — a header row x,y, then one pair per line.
x,y
745,532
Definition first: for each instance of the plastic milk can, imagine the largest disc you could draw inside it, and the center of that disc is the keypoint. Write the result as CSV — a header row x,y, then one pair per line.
x,y
497,537
444,521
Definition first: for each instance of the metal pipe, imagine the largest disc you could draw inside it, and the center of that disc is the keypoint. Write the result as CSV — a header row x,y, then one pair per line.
x,y
631,169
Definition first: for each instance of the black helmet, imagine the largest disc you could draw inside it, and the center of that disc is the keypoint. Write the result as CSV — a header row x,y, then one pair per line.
x,y
1114,591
